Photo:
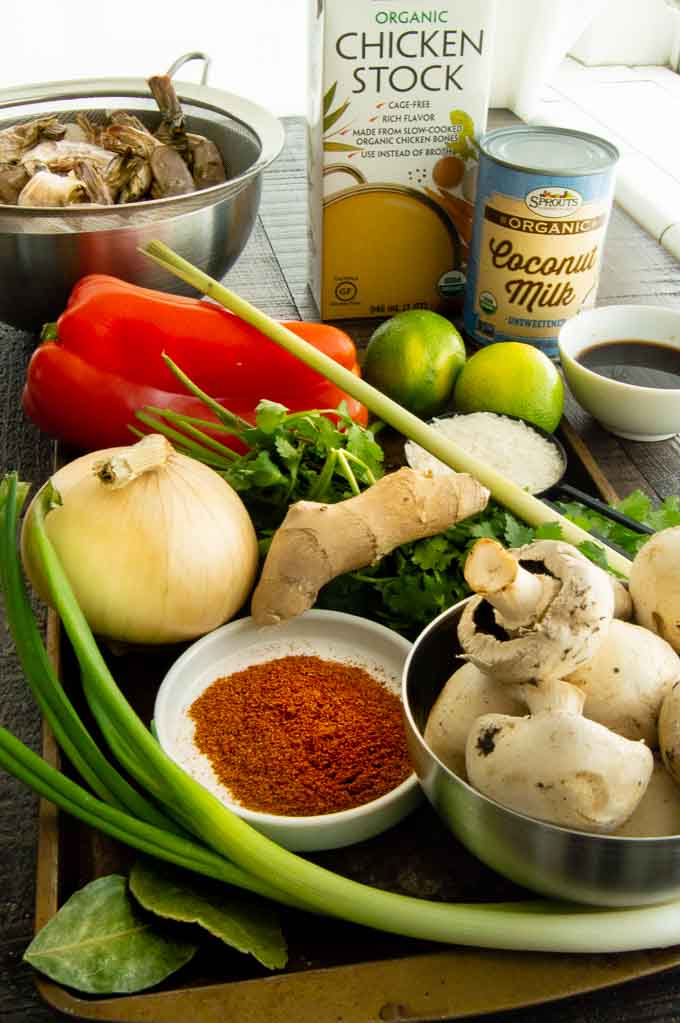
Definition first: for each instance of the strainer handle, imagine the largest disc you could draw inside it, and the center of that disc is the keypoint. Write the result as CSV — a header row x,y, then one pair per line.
x,y
185,58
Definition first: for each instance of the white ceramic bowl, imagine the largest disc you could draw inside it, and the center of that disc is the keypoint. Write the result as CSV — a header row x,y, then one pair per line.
x,y
233,647
636,413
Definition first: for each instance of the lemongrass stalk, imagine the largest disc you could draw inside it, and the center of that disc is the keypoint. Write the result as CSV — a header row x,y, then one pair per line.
x,y
530,926
527,507
71,735
22,763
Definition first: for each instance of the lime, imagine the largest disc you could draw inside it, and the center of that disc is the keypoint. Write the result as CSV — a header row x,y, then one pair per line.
x,y
514,379
414,358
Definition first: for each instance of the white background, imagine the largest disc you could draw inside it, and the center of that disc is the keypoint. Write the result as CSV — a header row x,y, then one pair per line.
x,y
258,47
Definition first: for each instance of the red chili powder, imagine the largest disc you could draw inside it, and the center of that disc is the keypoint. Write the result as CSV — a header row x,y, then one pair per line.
x,y
300,735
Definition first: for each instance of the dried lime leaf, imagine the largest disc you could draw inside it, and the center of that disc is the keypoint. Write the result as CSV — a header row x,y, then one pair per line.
x,y
246,922
99,942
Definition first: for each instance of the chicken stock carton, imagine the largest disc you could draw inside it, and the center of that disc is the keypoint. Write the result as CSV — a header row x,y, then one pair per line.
x,y
399,93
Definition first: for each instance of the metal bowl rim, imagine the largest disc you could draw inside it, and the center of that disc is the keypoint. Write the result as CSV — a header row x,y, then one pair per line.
x,y
252,116
451,777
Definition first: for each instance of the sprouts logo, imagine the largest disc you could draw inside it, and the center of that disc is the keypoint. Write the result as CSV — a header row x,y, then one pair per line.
x,y
553,202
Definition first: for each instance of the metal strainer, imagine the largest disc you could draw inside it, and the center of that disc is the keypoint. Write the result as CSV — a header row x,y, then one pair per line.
x,y
44,251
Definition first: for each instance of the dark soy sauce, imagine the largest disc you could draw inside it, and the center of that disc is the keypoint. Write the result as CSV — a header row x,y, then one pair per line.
x,y
642,363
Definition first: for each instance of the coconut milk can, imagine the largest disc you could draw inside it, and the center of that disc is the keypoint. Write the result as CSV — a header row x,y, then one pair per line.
x,y
543,201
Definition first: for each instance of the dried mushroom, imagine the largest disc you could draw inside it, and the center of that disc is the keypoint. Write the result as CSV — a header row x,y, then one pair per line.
x,y
122,161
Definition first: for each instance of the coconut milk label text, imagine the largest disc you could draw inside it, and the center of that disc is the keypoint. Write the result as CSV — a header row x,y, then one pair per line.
x,y
535,270
536,250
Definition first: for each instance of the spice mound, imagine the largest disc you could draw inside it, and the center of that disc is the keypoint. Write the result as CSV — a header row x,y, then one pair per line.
x,y
510,445
300,736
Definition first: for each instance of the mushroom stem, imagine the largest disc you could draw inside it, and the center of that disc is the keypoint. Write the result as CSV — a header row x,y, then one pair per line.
x,y
552,694
548,638
520,598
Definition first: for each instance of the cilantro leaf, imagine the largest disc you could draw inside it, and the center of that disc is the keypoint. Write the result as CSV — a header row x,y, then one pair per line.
x,y
637,506
486,530
595,552
549,531
516,534
269,415
666,515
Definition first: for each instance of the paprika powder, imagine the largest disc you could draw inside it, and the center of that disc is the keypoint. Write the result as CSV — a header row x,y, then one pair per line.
x,y
300,735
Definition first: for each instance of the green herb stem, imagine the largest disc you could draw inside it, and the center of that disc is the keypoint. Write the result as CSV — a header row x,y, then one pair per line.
x,y
527,507
325,476
181,441
192,425
22,763
224,415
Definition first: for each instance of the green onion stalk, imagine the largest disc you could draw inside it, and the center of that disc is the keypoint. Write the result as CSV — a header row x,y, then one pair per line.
x,y
524,505
70,733
242,856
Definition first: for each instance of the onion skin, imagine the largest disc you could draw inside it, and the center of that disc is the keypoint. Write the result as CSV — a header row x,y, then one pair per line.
x,y
164,559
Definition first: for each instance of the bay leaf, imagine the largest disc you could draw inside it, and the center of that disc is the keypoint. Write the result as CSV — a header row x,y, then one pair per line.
x,y
100,942
247,922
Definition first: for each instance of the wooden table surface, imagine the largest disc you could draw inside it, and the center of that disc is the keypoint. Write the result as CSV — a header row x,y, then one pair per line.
x,y
272,273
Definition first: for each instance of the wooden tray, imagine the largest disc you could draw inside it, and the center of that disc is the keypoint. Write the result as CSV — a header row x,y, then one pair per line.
x,y
336,971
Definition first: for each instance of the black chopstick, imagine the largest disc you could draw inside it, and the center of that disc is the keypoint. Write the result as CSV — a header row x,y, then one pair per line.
x,y
595,535
574,494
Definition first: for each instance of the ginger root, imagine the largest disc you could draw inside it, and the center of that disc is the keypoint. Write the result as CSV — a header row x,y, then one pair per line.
x,y
317,542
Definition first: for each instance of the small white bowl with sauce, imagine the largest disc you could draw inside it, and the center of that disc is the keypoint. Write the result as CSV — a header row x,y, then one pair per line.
x,y
330,635
638,398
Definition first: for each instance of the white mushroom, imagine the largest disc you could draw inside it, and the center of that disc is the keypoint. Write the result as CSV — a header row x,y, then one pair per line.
x,y
557,766
520,598
655,585
573,603
626,680
658,812
466,696
669,731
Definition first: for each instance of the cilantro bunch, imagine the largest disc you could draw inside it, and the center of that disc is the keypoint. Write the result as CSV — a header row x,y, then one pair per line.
x,y
323,455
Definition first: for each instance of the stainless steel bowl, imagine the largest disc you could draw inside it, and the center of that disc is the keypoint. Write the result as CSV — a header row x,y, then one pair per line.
x,y
602,870
44,251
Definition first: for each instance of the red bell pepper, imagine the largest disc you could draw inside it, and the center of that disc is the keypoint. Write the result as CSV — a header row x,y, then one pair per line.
x,y
84,386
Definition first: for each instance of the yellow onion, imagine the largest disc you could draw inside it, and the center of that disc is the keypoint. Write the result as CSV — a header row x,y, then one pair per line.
x,y
157,546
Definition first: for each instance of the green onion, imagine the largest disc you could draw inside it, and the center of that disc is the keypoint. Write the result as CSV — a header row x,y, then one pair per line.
x,y
532,925
69,731
27,766
527,507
